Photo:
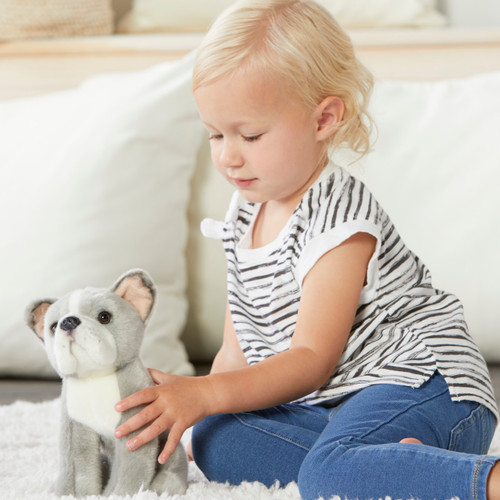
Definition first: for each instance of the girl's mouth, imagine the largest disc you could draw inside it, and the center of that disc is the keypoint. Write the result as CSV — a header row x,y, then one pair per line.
x,y
243,183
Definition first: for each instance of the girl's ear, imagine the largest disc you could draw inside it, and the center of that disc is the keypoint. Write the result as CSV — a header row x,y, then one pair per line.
x,y
329,112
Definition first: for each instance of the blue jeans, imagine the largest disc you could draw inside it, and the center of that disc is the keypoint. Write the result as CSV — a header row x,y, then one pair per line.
x,y
353,450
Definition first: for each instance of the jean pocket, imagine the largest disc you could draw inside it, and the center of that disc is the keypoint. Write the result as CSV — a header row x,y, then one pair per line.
x,y
473,434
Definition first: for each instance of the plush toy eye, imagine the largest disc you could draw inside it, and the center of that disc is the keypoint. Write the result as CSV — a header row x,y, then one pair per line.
x,y
53,327
104,317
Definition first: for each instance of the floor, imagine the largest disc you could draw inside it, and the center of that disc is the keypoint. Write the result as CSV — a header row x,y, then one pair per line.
x,y
41,390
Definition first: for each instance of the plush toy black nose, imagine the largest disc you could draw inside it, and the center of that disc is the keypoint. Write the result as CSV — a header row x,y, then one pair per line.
x,y
70,323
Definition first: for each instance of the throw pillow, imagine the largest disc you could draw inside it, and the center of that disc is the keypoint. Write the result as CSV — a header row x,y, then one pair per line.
x,y
95,181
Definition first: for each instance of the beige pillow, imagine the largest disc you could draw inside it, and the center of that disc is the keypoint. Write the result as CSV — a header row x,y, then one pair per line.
x,y
52,18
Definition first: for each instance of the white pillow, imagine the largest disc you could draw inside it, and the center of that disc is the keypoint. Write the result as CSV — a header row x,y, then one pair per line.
x,y
95,181
436,170
195,16
189,16
384,13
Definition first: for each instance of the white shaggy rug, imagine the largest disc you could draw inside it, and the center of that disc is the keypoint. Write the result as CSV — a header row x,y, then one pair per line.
x,y
29,456
29,461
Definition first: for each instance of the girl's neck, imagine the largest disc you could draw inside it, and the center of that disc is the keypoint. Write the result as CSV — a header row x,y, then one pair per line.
x,y
271,219
273,215
268,224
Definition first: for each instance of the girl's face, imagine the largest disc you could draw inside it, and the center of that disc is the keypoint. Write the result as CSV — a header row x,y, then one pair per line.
x,y
262,141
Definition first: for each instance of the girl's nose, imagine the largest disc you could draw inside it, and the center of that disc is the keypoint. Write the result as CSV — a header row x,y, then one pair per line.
x,y
230,157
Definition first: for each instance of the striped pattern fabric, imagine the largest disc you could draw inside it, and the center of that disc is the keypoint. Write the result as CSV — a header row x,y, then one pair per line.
x,y
404,329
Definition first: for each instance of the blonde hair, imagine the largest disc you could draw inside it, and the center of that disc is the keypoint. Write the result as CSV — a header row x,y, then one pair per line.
x,y
301,44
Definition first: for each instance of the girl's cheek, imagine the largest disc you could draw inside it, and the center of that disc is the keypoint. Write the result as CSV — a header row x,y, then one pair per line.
x,y
219,164
215,153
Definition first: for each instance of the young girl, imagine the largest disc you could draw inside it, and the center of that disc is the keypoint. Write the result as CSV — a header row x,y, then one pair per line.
x,y
341,367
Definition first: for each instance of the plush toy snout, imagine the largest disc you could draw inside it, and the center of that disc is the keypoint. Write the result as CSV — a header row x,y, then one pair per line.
x,y
70,323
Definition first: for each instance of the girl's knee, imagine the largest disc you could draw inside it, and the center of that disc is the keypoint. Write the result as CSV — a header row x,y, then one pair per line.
x,y
209,441
310,474
319,470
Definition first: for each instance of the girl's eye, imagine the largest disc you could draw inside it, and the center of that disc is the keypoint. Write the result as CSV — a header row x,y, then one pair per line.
x,y
214,137
104,317
252,138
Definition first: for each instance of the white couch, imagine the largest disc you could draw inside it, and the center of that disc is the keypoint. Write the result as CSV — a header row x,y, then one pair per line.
x,y
116,174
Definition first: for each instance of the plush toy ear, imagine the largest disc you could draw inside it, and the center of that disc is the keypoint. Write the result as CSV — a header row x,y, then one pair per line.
x,y
35,314
138,289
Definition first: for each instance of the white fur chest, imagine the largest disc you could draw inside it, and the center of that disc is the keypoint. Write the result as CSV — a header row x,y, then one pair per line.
x,y
91,401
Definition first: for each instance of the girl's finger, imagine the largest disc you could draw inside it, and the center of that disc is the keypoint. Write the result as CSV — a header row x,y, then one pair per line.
x,y
137,421
174,437
138,398
149,433
157,376
189,452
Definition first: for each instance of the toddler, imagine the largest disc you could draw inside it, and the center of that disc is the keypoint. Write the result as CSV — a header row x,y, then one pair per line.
x,y
341,367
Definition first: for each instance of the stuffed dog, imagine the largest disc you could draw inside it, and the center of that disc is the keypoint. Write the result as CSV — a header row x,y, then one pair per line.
x,y
92,339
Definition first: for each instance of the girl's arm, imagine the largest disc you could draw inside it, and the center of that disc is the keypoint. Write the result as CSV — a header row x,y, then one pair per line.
x,y
230,356
330,296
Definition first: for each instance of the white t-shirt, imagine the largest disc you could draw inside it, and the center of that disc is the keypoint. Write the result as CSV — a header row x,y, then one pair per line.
x,y
404,329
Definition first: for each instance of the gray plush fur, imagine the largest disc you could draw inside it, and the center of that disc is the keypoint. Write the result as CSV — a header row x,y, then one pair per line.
x,y
98,361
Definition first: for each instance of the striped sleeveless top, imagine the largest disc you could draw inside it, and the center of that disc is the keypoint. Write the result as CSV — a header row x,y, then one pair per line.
x,y
404,329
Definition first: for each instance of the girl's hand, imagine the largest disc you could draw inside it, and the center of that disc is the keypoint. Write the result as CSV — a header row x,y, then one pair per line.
x,y
175,403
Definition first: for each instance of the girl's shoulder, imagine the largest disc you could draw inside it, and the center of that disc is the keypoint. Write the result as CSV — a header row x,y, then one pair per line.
x,y
338,199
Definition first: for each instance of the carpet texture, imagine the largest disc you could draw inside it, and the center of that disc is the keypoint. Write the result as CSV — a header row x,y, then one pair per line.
x,y
29,462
